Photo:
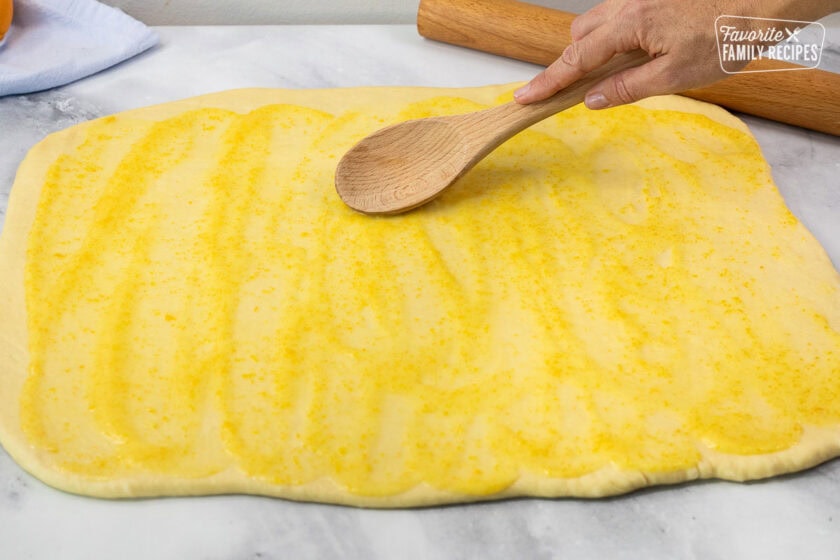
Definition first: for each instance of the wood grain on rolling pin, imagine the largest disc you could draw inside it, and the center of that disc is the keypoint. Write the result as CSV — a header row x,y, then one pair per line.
x,y
806,98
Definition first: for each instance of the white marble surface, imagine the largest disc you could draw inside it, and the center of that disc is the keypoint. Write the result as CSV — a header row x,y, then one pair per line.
x,y
792,516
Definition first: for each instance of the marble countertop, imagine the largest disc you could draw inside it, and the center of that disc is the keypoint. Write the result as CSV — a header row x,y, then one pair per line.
x,y
796,515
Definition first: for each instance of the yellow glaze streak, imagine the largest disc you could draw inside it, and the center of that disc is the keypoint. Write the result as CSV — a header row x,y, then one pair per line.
x,y
611,289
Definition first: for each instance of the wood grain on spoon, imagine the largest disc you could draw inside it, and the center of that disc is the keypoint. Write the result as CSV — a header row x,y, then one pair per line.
x,y
408,164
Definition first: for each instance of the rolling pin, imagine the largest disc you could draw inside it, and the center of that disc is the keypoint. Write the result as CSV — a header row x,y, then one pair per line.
x,y
806,98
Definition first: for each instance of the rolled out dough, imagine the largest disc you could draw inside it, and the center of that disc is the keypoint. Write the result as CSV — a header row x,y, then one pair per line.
x,y
610,300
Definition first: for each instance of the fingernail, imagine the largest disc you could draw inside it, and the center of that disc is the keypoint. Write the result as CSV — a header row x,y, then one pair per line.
x,y
596,100
521,91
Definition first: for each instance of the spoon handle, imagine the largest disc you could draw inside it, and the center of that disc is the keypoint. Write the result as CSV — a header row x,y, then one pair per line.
x,y
512,118
575,93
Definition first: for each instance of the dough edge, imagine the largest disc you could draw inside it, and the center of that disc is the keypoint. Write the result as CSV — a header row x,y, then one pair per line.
x,y
817,444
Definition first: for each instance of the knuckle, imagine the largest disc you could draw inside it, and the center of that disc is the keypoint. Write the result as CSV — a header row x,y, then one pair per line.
x,y
623,91
635,10
577,27
571,56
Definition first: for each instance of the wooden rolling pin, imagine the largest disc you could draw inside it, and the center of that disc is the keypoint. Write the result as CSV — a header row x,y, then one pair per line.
x,y
806,98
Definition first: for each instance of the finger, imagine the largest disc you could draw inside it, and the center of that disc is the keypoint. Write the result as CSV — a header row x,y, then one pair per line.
x,y
589,20
654,78
577,60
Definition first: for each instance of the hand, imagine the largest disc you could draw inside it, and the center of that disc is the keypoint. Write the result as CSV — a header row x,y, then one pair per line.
x,y
678,34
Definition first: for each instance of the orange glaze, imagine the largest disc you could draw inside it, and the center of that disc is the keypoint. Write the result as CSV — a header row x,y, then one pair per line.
x,y
606,289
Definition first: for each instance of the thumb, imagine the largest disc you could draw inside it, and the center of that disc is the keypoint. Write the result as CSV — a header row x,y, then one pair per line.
x,y
627,86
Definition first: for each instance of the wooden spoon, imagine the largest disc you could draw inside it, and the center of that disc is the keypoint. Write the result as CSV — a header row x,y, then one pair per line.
x,y
406,165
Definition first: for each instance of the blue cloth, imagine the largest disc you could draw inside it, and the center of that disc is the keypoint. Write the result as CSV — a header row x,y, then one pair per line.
x,y
55,42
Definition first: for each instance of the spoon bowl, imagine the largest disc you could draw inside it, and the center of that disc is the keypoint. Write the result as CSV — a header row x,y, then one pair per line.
x,y
414,161
406,165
